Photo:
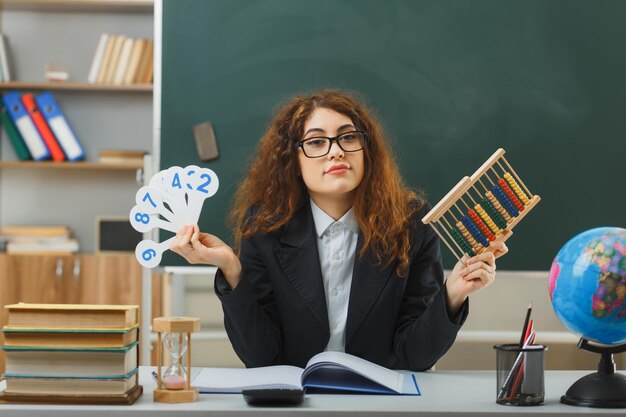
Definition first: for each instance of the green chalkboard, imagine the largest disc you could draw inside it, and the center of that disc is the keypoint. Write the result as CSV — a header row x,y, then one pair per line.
x,y
451,81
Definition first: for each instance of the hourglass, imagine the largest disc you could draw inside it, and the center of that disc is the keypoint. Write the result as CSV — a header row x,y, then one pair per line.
x,y
174,342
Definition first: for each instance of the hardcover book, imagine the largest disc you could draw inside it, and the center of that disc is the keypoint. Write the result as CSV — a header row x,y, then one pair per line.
x,y
106,59
76,316
114,59
122,64
75,338
96,363
96,63
35,231
111,156
133,64
47,246
127,398
73,386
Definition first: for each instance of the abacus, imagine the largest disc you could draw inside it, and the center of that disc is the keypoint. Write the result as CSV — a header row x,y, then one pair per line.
x,y
482,208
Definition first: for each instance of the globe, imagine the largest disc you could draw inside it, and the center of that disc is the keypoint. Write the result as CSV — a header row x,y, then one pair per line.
x,y
588,282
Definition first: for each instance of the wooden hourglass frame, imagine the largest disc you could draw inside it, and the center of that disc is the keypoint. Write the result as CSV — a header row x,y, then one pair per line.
x,y
170,325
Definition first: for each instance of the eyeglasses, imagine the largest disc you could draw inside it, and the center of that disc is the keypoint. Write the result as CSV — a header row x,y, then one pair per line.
x,y
320,145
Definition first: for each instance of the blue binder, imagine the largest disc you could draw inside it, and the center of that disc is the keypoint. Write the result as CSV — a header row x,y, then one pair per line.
x,y
60,127
25,126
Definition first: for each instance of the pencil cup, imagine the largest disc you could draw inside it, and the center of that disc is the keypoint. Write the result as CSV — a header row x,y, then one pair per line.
x,y
519,374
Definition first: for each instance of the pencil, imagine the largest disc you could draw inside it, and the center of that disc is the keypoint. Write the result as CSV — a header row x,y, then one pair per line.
x,y
525,328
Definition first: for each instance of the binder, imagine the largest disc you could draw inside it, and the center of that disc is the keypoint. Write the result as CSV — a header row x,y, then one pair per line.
x,y
60,127
25,126
44,131
14,135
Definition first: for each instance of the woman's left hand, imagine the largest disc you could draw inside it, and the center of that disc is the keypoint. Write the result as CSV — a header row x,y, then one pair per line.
x,y
478,272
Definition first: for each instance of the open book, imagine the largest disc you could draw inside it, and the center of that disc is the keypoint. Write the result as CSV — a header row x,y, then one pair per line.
x,y
326,371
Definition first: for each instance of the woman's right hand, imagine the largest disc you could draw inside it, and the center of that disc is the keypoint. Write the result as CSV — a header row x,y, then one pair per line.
x,y
203,248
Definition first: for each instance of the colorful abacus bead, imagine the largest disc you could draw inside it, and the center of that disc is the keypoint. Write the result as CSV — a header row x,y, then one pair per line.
x,y
481,225
496,204
516,188
488,221
478,235
507,190
493,213
468,236
464,244
504,200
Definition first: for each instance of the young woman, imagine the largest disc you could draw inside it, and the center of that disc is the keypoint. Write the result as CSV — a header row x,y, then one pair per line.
x,y
332,252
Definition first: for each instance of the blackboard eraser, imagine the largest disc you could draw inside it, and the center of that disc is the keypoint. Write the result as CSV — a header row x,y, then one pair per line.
x,y
206,143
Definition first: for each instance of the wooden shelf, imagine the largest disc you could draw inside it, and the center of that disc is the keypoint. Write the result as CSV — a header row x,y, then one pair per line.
x,y
128,166
87,5
67,86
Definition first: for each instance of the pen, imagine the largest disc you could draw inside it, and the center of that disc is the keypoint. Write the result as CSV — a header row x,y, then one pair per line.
x,y
525,328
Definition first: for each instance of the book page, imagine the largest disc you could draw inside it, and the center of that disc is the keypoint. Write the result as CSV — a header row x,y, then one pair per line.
x,y
235,380
383,376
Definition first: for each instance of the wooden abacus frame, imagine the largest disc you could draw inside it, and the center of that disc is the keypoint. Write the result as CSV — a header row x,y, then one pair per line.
x,y
447,218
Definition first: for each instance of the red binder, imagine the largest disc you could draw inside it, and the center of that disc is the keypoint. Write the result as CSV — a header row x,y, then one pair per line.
x,y
44,130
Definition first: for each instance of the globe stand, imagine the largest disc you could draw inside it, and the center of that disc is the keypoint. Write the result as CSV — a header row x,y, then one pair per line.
x,y
602,389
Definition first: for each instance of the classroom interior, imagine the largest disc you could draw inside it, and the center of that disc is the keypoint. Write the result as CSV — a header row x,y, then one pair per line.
x,y
451,81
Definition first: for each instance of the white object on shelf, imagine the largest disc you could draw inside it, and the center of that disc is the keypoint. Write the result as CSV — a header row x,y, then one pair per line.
x,y
4,63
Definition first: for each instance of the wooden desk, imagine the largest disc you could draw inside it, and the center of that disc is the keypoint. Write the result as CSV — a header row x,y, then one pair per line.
x,y
444,393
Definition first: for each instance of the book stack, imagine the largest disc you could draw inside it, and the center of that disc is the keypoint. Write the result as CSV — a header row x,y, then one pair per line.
x,y
71,353
120,60
118,156
38,129
38,239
